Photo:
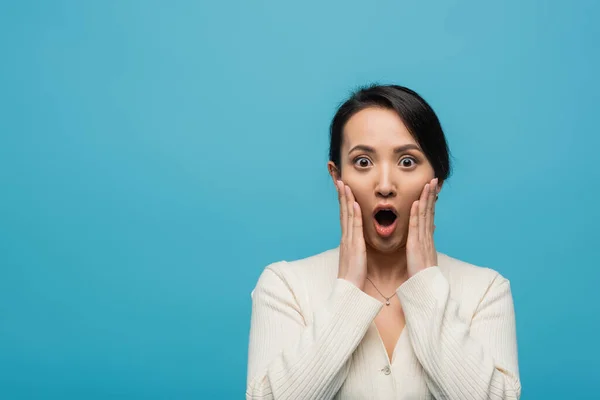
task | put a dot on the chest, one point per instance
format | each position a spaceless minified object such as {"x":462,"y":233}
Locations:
{"x":390,"y":324}
{"x":370,"y":375}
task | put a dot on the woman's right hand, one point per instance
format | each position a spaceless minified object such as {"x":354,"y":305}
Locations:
{"x":353,"y":251}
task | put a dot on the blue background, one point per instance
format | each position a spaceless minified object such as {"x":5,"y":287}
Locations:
{"x":155,"y":156}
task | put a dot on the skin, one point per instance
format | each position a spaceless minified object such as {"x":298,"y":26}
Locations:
{"x":372,"y":172}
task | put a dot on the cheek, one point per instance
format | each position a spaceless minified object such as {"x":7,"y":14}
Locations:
{"x":360,"y":192}
{"x":414,"y":189}
{"x":415,"y":192}
{"x":360,"y":196}
{"x":409,"y":195}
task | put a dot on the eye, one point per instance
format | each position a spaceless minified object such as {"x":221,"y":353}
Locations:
{"x":362,"y":162}
{"x":408,"y":162}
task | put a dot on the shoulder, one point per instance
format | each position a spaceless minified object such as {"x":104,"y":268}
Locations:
{"x":319,"y":269}
{"x":469,"y":282}
{"x":459,"y":270}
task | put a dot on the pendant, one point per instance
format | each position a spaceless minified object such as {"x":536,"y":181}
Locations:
{"x":387,"y":302}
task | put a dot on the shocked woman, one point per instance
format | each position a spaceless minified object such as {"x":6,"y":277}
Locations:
{"x":383,"y":315}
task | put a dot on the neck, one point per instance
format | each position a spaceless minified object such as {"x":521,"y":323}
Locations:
{"x":387,"y":269}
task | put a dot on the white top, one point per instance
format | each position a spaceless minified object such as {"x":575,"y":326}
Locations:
{"x":313,"y":335}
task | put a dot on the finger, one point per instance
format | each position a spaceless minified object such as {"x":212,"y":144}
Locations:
{"x":423,"y":211}
{"x":343,"y":206}
{"x":350,"y":217}
{"x":357,"y":232}
{"x":430,"y":213}
{"x":413,"y":223}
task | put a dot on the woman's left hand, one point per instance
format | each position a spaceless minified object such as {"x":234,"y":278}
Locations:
{"x":420,"y":249}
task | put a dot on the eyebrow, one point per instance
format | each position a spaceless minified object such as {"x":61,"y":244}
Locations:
{"x":399,"y":149}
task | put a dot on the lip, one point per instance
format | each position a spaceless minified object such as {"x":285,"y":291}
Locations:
{"x":385,"y":231}
{"x":385,"y":207}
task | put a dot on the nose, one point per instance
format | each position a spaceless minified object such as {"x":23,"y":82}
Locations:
{"x":385,"y":186}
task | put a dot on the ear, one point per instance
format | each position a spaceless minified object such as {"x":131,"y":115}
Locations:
{"x":334,"y":172}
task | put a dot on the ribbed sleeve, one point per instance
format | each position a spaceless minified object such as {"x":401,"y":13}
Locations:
{"x":289,"y":359}
{"x":463,"y":360}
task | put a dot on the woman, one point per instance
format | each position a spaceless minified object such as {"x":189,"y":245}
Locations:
{"x":383,"y":316}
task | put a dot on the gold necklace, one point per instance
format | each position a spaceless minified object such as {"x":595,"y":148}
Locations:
{"x":387,"y":299}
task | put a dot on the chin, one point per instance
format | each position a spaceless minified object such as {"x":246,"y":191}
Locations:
{"x":386,"y":245}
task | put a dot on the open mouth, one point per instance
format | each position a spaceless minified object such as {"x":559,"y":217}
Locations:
{"x":385,"y":221}
{"x":385,"y":217}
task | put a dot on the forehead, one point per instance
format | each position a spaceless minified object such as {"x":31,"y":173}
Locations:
{"x":376,"y":127}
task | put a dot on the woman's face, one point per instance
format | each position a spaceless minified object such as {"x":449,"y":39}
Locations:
{"x":384,"y":166}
